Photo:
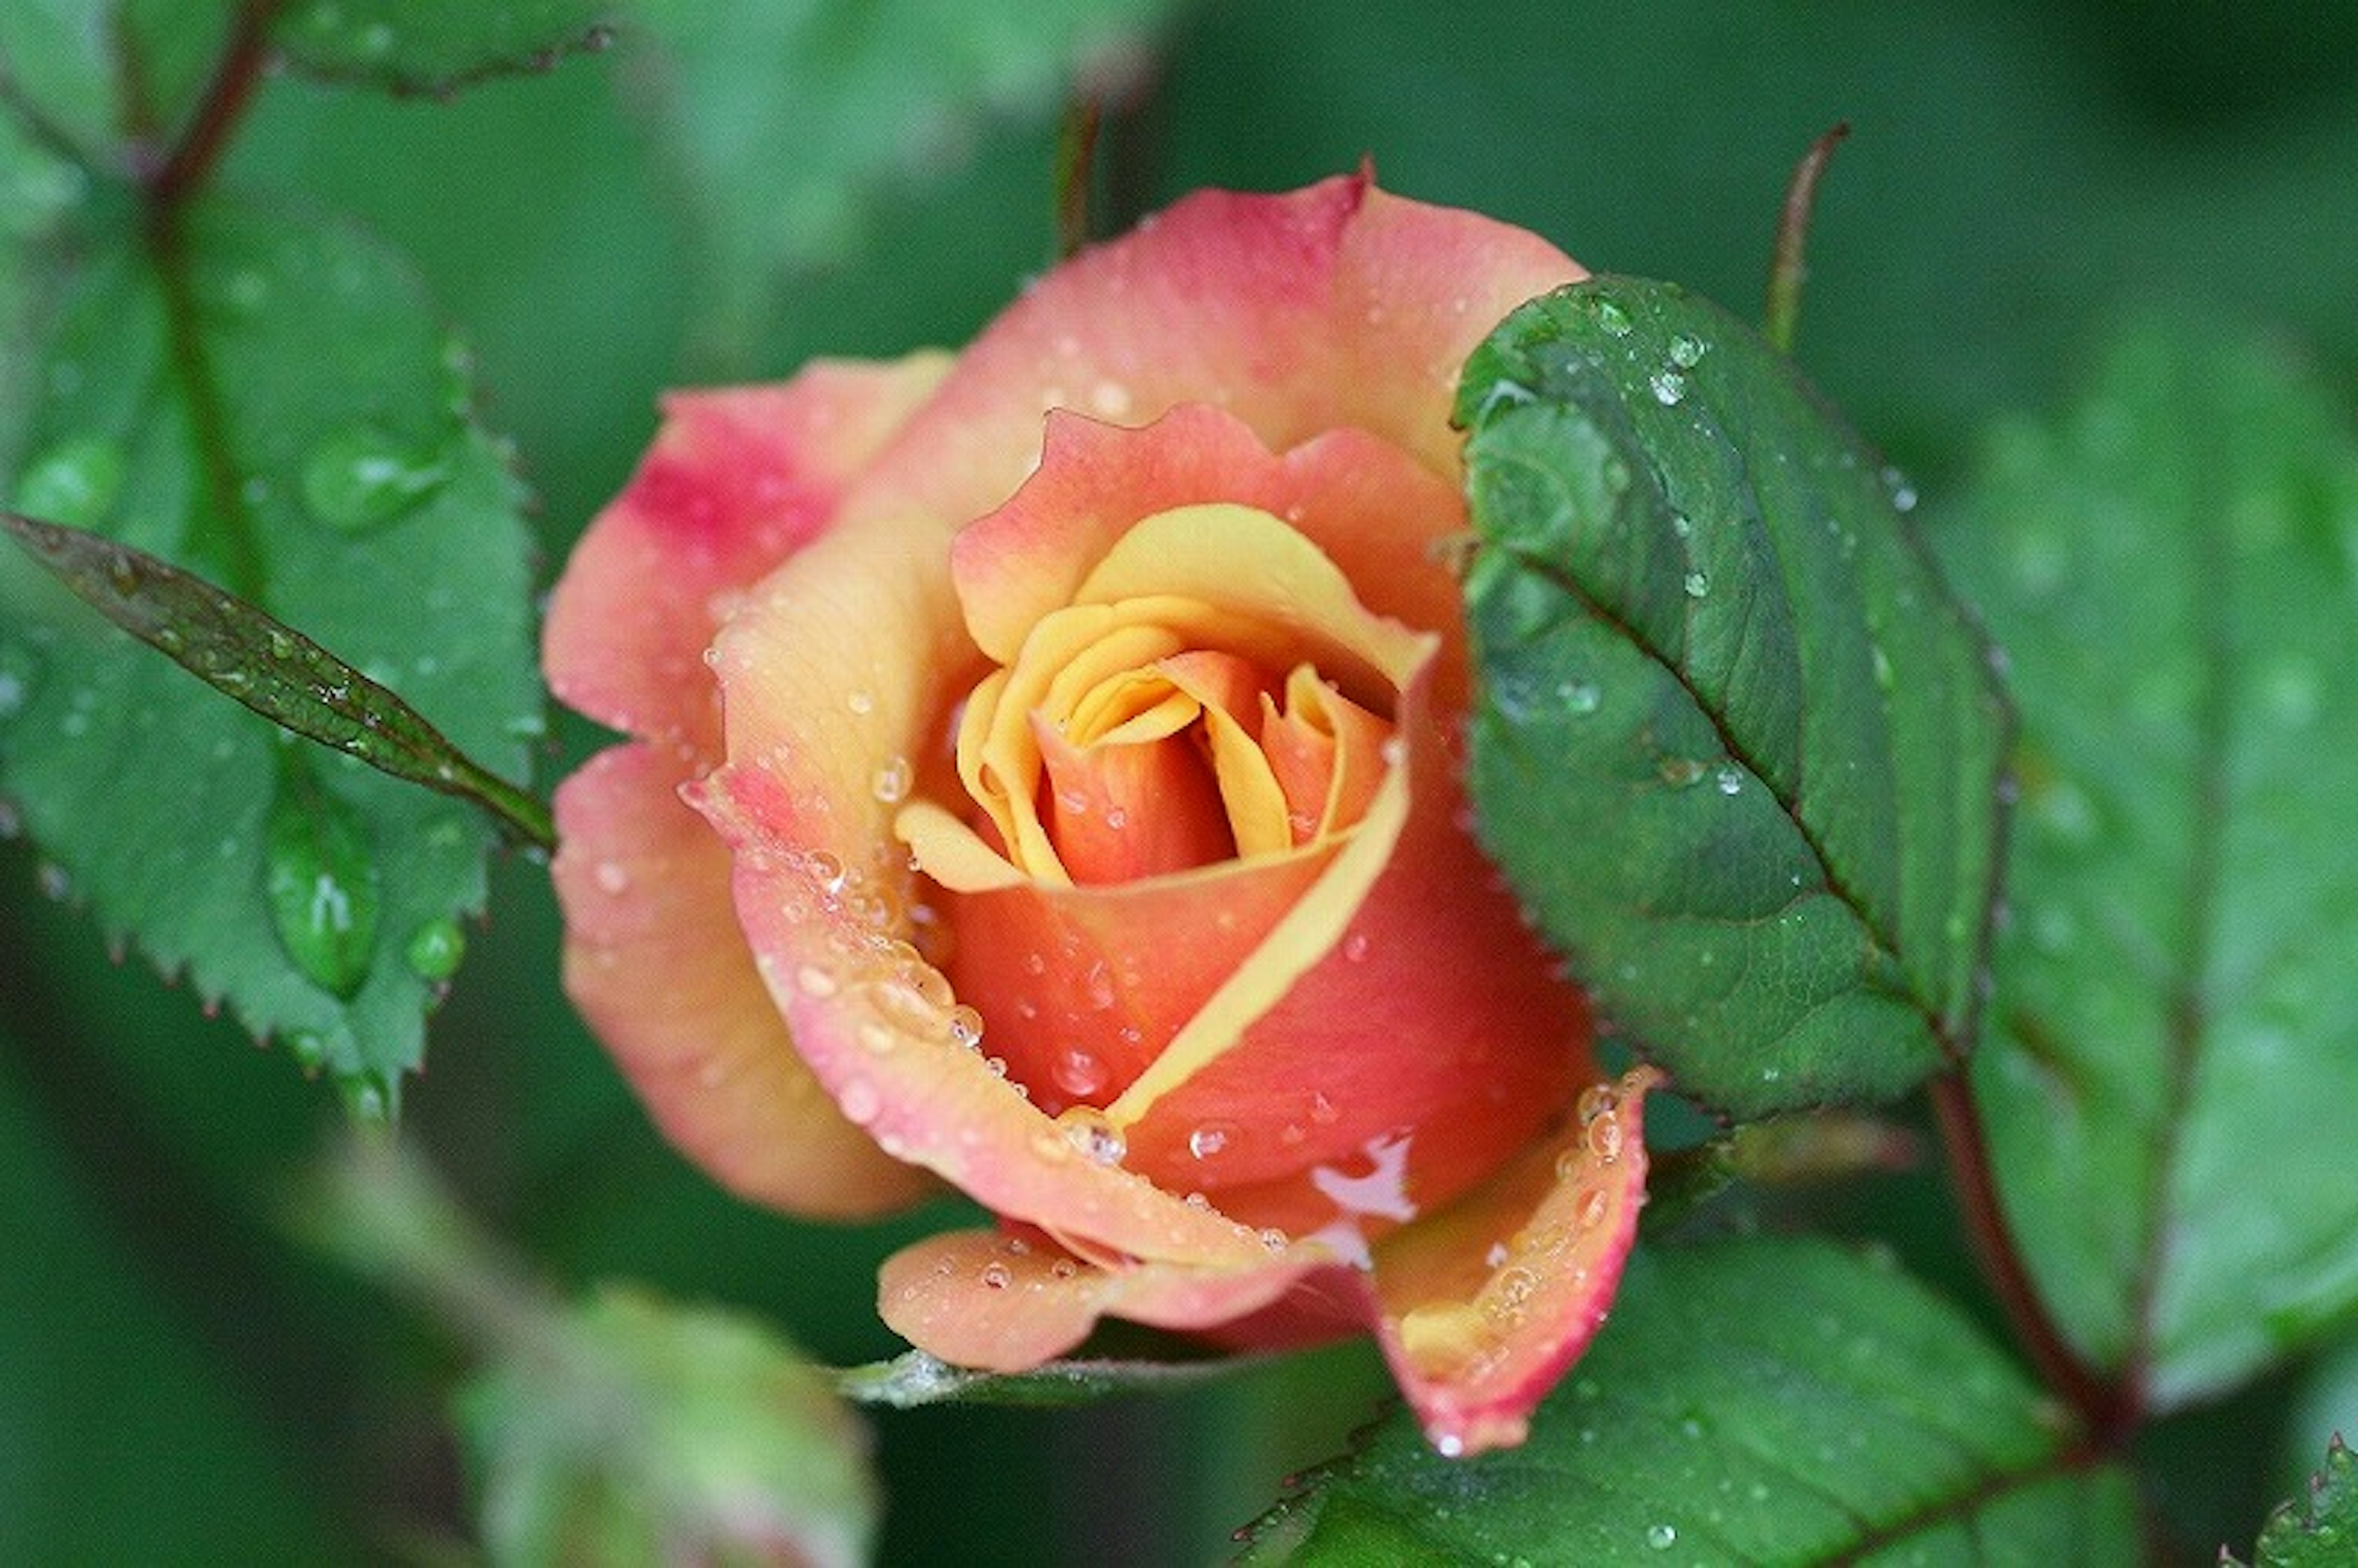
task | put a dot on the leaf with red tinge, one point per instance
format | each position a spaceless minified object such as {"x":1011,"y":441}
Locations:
{"x":2320,"y":1530}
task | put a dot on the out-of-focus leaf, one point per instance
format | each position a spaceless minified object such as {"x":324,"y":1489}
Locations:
{"x":1735,"y":745}
{"x":2320,"y":1530}
{"x":434,"y":46}
{"x":1756,"y":1401}
{"x":785,"y":117}
{"x":121,"y":1440}
{"x":271,"y":404}
{"x":115,"y":79}
{"x":2171,"y":1074}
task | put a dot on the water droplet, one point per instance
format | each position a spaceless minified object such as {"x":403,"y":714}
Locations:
{"x":1902,"y":493}
{"x":1594,"y":1207}
{"x":1323,"y":1111}
{"x":18,"y":676}
{"x":322,"y":882}
{"x":74,"y":483}
{"x":1679,"y":772}
{"x":890,"y":784}
{"x":1687,"y":351}
{"x":1669,"y":387}
{"x":1580,"y":697}
{"x":860,"y":702}
{"x":1613,"y":318}
{"x":1698,"y":584}
{"x":1730,"y":780}
{"x":1355,"y":947}
{"x":996,"y":1276}
{"x":1210,"y":1140}
{"x":1089,"y":1130}
{"x":612,"y":878}
{"x":361,"y":478}
{"x":1605,"y":1138}
{"x":435,"y":949}
{"x":860,"y":1102}
{"x":1661,"y":1537}
{"x":1880,"y":662}
{"x":815,"y":980}
{"x":1079,"y":1071}
{"x":368,"y":1097}
{"x":965,"y":1027}
{"x":309,"y":1051}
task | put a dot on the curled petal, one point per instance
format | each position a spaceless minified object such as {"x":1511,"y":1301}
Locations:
{"x":982,"y":1298}
{"x":656,"y":964}
{"x":1481,"y":1307}
{"x":881,"y":1030}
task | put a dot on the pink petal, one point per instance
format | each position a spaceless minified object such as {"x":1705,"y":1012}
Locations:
{"x":1481,"y":1308}
{"x":1335,"y":305}
{"x":737,"y":478}
{"x":656,"y":964}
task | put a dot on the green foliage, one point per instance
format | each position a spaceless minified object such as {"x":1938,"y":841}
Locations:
{"x":834,"y":101}
{"x":2317,"y":1531}
{"x":1735,"y":745}
{"x":1754,"y":1402}
{"x":435,"y":46}
{"x":186,"y":410}
{"x":2171,"y":566}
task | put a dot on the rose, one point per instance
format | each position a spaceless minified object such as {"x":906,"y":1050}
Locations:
{"x":1070,"y":812}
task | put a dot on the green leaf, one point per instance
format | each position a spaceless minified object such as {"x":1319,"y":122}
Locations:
{"x":114,"y":80}
{"x":436,"y":46}
{"x":193,"y":394}
{"x":2318,"y":1531}
{"x":1735,"y":745}
{"x":1758,"y":1402}
{"x":785,"y":121}
{"x":245,"y":654}
{"x":2171,"y":1075}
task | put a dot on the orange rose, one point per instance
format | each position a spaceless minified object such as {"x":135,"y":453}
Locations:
{"x":1047,"y":782}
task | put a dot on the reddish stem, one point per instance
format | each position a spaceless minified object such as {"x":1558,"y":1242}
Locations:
{"x":2107,"y":1410}
{"x":202,"y":145}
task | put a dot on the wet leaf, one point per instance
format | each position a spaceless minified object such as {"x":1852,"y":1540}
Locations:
{"x":1736,"y":746}
{"x":190,"y":390}
{"x":1843,"y":1414}
{"x":2320,"y":1530}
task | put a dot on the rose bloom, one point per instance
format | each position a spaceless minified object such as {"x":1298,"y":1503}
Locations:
{"x":1044,"y":783}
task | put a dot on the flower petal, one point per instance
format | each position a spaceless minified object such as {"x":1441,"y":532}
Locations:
{"x":1481,"y":1307}
{"x":1482,"y":1045}
{"x":736,"y":480}
{"x":986,"y":1299}
{"x":655,"y":961}
{"x":881,"y":1030}
{"x":1338,"y":305}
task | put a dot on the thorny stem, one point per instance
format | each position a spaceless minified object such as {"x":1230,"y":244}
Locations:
{"x":1789,"y":264}
{"x":2107,"y":1410}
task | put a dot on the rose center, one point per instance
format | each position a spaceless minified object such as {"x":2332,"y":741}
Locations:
{"x":1155,"y":732}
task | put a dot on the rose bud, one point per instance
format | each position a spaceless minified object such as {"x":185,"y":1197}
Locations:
{"x":1046,"y":782}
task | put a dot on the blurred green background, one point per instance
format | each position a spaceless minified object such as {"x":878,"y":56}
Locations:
{"x":179,"y":1382}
